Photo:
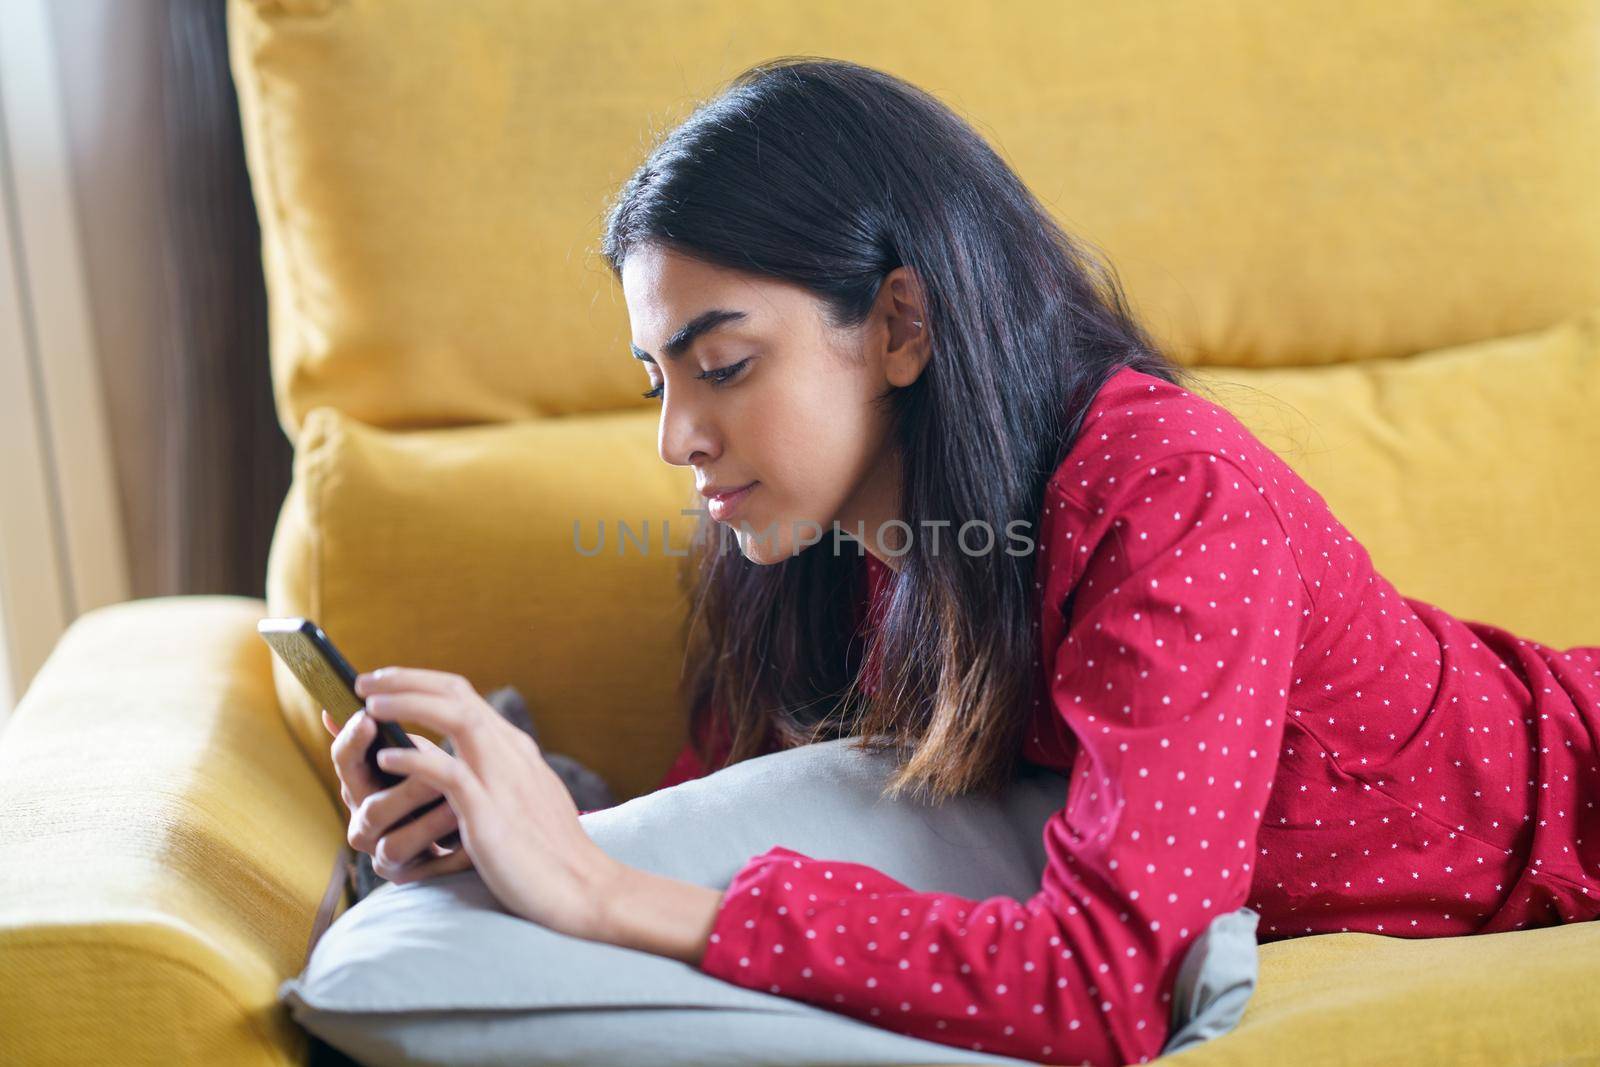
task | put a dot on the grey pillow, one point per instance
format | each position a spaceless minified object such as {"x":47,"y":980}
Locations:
{"x":436,"y":972}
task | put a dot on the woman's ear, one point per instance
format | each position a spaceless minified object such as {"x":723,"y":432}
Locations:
{"x":904,"y":365}
{"x":909,"y":346}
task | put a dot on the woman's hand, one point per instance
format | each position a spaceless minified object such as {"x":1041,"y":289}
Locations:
{"x":518,"y":821}
{"x":400,"y":854}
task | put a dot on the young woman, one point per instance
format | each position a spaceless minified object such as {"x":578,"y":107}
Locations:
{"x":980,"y":519}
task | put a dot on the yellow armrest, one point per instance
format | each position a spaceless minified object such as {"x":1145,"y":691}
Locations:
{"x":163,"y":844}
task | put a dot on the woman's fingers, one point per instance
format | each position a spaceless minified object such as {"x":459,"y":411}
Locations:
{"x":350,"y":746}
{"x":431,"y":867}
{"x":404,"y":844}
{"x":390,"y":679}
{"x":450,"y":776}
{"x":357,"y":781}
{"x":376,"y":814}
{"x":447,"y":715}
{"x":464,"y":717}
{"x":423,"y":741}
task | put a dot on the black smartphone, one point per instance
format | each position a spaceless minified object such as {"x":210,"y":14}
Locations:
{"x":328,"y":676}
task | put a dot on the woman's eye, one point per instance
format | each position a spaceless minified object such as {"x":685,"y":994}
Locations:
{"x":716,"y":377}
{"x":723,"y":374}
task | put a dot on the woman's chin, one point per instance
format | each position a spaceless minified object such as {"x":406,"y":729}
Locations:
{"x":764,"y":553}
{"x":764,"y":545}
{"x":775,"y":542}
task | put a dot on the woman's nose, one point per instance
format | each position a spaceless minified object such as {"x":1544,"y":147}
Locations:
{"x":683,"y":437}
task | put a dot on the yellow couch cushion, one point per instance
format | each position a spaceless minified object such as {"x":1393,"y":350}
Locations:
{"x":456,"y":549}
{"x":165,"y":845}
{"x":1495,"y":1000}
{"x":1469,"y":473}
{"x":1276,"y":187}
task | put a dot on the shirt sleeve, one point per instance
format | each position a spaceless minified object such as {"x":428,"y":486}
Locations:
{"x":1173,"y":676}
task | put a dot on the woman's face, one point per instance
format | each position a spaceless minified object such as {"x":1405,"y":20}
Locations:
{"x":755,"y":389}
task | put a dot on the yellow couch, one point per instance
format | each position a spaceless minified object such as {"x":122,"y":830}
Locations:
{"x":1377,"y":230}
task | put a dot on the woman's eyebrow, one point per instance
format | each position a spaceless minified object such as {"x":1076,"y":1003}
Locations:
{"x":702,"y":323}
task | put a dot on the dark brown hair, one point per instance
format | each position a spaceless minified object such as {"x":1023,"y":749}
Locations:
{"x":829,"y":175}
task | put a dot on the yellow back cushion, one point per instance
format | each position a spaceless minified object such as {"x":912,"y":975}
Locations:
{"x":1471,"y":474}
{"x":455,"y":549}
{"x":1276,"y":187}
{"x":1468,"y":473}
{"x":1301,"y":203}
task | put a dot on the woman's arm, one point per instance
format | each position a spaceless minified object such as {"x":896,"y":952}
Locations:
{"x":654,"y":913}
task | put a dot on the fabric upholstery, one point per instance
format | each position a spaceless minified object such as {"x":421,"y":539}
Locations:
{"x":165,"y":845}
{"x":1493,"y":1000}
{"x":455,"y":549}
{"x":1275,"y":187}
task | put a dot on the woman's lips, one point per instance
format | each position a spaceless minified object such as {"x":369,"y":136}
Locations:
{"x":723,"y":505}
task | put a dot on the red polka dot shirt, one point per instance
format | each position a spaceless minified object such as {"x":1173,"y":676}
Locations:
{"x":1248,"y":713}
